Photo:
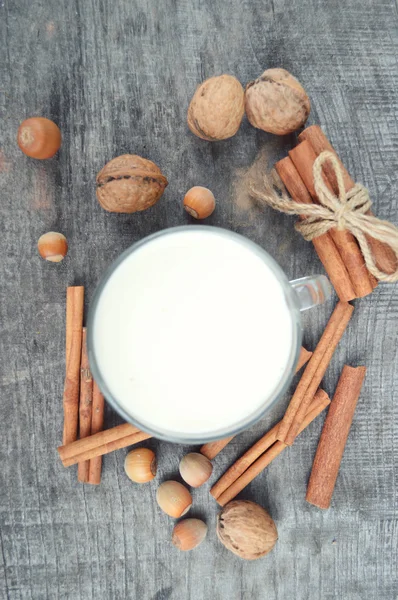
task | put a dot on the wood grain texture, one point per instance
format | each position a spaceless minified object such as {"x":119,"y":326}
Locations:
{"x":117,"y":77}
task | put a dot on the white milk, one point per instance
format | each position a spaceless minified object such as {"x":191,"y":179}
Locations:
{"x":192,"y":333}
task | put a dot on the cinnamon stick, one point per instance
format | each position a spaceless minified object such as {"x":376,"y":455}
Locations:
{"x":304,"y":357}
{"x":98,"y":439}
{"x":251,"y":473}
{"x":123,"y":442}
{"x":303,"y":157}
{"x":384,"y":257}
{"x":320,"y":403}
{"x":244,"y":462}
{"x":74,"y":328}
{"x":101,"y":443}
{"x":85,"y":406}
{"x":97,"y":424}
{"x":74,"y":315}
{"x":314,"y":373}
{"x":251,"y":455}
{"x":71,"y":392}
{"x":211,"y":449}
{"x":323,"y":244}
{"x":334,"y":437}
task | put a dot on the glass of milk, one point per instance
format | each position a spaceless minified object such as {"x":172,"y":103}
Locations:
{"x":194,"y":333}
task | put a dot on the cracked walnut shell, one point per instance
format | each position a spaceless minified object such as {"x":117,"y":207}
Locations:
{"x":276,"y":102}
{"x":217,"y":108}
{"x":129,"y":183}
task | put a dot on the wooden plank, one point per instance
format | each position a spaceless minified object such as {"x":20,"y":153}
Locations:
{"x":117,"y":77}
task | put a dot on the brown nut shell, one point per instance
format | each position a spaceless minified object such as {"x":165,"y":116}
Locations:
{"x":52,"y":246}
{"x":39,"y":137}
{"x":276,"y":102}
{"x":217,"y":108}
{"x":246,"y":529}
{"x":199,"y":202}
{"x":140,"y":465}
{"x":195,"y":469}
{"x":129,"y":183}
{"x":188,"y":534}
{"x":173,"y":498}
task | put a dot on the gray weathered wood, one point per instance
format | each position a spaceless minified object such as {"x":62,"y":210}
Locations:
{"x":117,"y":77}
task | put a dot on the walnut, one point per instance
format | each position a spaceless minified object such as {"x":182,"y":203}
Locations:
{"x":217,"y":108}
{"x":246,"y":529}
{"x":276,"y":102}
{"x":129,"y":183}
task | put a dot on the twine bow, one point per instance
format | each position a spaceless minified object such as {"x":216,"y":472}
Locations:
{"x":344,"y":211}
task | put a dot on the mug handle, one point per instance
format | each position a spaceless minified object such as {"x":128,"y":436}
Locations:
{"x":312,"y":290}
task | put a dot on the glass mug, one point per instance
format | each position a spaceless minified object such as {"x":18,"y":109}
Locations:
{"x":194,"y":333}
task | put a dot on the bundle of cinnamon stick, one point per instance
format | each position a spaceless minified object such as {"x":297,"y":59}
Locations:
{"x":82,"y":400}
{"x":338,"y":250}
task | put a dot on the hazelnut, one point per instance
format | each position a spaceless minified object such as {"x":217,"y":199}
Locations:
{"x":129,"y":183}
{"x":39,"y":137}
{"x":52,"y":246}
{"x":195,"y":469}
{"x":173,"y":498}
{"x":199,"y":202}
{"x":140,"y":465}
{"x":246,"y":529}
{"x":276,"y":102}
{"x":188,"y":534}
{"x":217,"y":108}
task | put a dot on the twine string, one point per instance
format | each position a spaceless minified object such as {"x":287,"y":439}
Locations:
{"x":346,"y":210}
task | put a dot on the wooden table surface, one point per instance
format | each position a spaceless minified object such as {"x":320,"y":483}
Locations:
{"x":117,"y":77}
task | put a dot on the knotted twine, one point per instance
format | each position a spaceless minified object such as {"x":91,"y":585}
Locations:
{"x":344,"y":211}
